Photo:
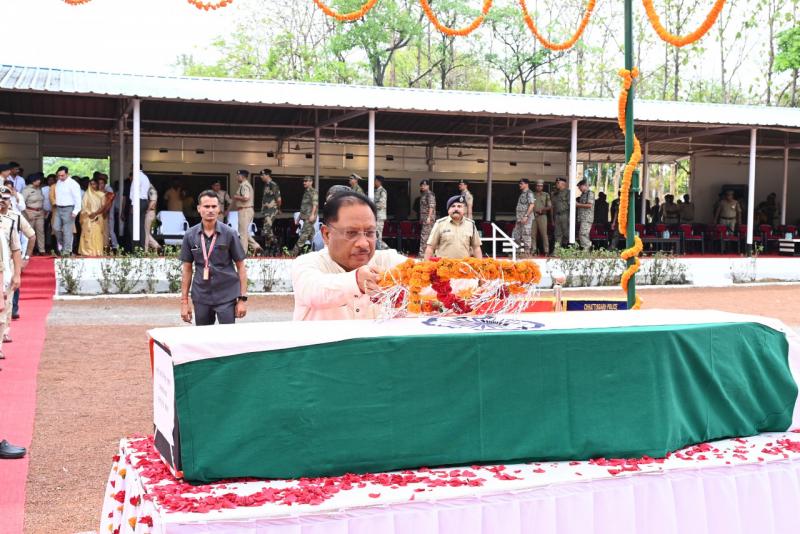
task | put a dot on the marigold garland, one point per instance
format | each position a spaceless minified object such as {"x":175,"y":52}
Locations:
{"x":625,"y":188}
{"x":199,"y":4}
{"x":414,"y":276}
{"x":76,"y":2}
{"x":569,"y":43}
{"x":682,"y":40}
{"x":346,"y":17}
{"x":461,"y":32}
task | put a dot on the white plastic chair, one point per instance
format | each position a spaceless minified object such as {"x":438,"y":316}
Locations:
{"x":173,"y":226}
{"x":233,"y":222}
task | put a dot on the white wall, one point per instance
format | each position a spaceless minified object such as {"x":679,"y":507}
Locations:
{"x":711,"y":173}
{"x":227,"y":155}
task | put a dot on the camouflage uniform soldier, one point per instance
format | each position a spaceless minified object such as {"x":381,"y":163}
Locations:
{"x":541,"y":207}
{"x":522,"y":230}
{"x":308,"y":214}
{"x":354,"y":178}
{"x":381,"y":199}
{"x":270,"y":207}
{"x":585,"y":207}
{"x":427,"y":214}
{"x":560,"y":202}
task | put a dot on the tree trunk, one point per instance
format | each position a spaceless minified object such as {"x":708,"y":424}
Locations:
{"x":794,"y":88}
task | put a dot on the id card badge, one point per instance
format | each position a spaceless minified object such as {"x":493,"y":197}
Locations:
{"x":206,"y":255}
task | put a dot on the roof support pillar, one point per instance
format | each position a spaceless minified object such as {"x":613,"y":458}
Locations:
{"x":489,"y":173}
{"x":316,"y":159}
{"x":573,"y":179}
{"x":121,"y":169}
{"x":751,"y":190}
{"x":137,"y":162}
{"x":784,"y":207}
{"x":371,"y":158}
{"x":645,"y":184}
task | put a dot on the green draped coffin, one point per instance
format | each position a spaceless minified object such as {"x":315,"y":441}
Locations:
{"x":288,"y":400}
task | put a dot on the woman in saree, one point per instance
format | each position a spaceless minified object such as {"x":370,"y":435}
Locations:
{"x":93,"y":222}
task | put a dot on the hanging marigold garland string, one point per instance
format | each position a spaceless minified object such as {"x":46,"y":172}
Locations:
{"x":682,"y":40}
{"x":76,"y":2}
{"x":625,"y":188}
{"x":346,"y":17}
{"x":550,"y":44}
{"x":461,"y":32}
{"x":199,"y":4}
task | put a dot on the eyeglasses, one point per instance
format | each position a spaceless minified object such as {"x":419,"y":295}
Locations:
{"x":352,"y":235}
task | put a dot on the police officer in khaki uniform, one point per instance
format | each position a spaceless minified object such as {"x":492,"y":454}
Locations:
{"x":454,"y":236}
{"x":244,"y":204}
{"x":308,"y":213}
{"x":224,"y":199}
{"x":560,"y":202}
{"x":541,"y":208}
{"x":585,"y":207}
{"x":522,"y":229}
{"x":354,"y":178}
{"x":427,"y":214}
{"x":670,"y":212}
{"x":34,"y":208}
{"x":729,"y":211}
{"x":463,"y":188}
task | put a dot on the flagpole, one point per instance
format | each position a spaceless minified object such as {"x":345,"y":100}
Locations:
{"x":631,"y":223}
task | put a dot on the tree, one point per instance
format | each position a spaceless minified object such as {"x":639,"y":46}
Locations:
{"x":788,"y":58}
{"x":389,"y":27}
{"x":519,"y":58}
{"x":734,"y":46}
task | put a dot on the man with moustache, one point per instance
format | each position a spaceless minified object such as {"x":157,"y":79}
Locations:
{"x":338,"y":281}
{"x":454,"y":236}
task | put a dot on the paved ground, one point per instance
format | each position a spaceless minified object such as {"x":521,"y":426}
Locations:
{"x":94,"y":386}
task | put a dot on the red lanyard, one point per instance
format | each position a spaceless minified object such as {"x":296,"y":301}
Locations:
{"x":207,"y":253}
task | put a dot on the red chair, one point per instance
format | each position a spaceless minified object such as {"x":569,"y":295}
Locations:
{"x":391,"y":231}
{"x":486,"y":229}
{"x":407,"y":236}
{"x":598,"y":235}
{"x":769,"y":237}
{"x":757,"y":237}
{"x":723,"y":236}
{"x":689,"y":236}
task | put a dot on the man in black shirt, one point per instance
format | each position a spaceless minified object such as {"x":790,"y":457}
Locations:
{"x":218,"y":290}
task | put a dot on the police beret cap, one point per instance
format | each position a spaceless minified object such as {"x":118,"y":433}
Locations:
{"x":454,"y":199}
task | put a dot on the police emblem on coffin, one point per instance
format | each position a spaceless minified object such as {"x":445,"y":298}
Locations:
{"x":483,"y":323}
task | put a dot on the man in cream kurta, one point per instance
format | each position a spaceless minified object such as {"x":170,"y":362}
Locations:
{"x":338,"y":281}
{"x":323,"y":290}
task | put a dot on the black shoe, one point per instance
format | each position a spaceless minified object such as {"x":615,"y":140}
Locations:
{"x":11,"y":452}
{"x":14,"y":316}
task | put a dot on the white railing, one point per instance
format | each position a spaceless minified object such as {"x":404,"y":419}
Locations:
{"x":505,"y":239}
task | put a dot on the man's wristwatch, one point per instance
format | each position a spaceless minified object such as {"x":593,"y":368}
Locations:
{"x":26,"y":258}
{"x":242,"y":298}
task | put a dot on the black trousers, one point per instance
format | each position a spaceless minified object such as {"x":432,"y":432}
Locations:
{"x":205,"y":314}
{"x":129,"y":244}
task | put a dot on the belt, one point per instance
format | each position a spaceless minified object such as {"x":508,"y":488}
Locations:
{"x":728,"y":218}
{"x":33,"y":209}
{"x":70,"y":206}
{"x":245,"y":207}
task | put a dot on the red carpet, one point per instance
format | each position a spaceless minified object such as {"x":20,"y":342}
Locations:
{"x":18,"y":385}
